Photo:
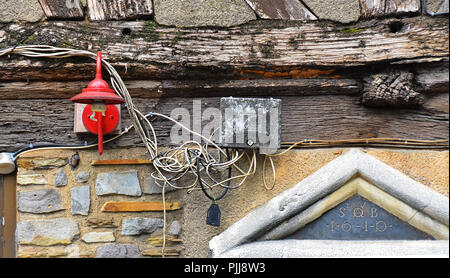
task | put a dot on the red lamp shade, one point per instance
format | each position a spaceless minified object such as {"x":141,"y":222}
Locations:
{"x":99,"y":95}
{"x":98,"y":90}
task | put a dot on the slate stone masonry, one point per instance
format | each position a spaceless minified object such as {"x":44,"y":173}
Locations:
{"x":60,"y":206}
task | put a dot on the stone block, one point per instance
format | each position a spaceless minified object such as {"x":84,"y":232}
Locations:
{"x":20,"y":10}
{"x":126,"y":183}
{"x":170,"y":240}
{"x":41,"y":163}
{"x":157,"y":252}
{"x":82,"y":177}
{"x":95,"y":237}
{"x":29,"y":251}
{"x":101,"y":223}
{"x":61,"y":178}
{"x":137,"y":226}
{"x":81,"y":200}
{"x":40,"y":252}
{"x":175,"y":228}
{"x":47,"y":232}
{"x":195,"y":13}
{"x":150,"y":186}
{"x":31,"y":179}
{"x":39,"y":201}
{"x":118,"y":251}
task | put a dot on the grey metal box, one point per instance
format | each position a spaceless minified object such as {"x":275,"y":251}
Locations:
{"x":251,"y":123}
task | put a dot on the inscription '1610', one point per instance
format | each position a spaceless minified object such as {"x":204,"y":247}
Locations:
{"x":359,"y":212}
{"x":358,"y":218}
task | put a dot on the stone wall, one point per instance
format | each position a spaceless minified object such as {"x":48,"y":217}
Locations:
{"x":224,"y":13}
{"x":68,"y":211}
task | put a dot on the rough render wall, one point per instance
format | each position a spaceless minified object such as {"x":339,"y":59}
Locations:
{"x":427,"y":167}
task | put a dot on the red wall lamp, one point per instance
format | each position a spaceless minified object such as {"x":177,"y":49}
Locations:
{"x":100,"y":116}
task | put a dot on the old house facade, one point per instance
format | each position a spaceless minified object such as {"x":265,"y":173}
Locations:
{"x":360,"y":89}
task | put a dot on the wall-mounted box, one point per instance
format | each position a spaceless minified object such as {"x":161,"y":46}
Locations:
{"x":251,"y":123}
{"x":78,"y":126}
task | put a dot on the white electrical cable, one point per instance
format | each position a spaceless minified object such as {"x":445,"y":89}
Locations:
{"x":175,"y":163}
{"x":171,"y":165}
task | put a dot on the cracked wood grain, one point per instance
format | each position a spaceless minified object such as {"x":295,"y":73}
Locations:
{"x":172,"y":53}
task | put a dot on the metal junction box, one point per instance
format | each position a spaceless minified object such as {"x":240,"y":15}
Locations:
{"x":251,"y":123}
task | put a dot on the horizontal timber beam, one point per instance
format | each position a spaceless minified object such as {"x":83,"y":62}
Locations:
{"x":141,"y":48}
{"x":303,"y":117}
{"x":189,"y":88}
{"x":428,"y":79}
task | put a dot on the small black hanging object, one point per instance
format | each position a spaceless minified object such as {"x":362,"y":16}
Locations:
{"x":213,"y":215}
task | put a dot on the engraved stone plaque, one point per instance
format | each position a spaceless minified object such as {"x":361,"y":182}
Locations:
{"x":359,"y":219}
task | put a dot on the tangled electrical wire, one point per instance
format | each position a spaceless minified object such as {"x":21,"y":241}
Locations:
{"x":204,"y":162}
{"x":193,"y":158}
{"x":170,"y":165}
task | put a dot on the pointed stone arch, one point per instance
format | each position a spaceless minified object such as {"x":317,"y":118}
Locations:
{"x":353,"y":172}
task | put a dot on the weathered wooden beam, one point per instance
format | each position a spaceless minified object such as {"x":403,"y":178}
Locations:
{"x":391,"y":89}
{"x":119,"y":9}
{"x":402,"y":6}
{"x":372,"y":8}
{"x":428,"y":79}
{"x":261,"y":87}
{"x":187,"y":88}
{"x":303,"y":117}
{"x":281,"y":9}
{"x":66,"y":90}
{"x":62,"y":9}
{"x":432,"y":78}
{"x":379,"y":8}
{"x":164,"y":52}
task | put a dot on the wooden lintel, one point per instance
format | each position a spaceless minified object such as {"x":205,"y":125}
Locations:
{"x":139,"y":206}
{"x":427,"y":80}
{"x":167,"y":52}
{"x":188,"y":88}
{"x":326,"y":117}
{"x":121,"y":162}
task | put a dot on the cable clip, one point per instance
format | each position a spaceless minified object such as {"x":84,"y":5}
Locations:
{"x":196,"y":153}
